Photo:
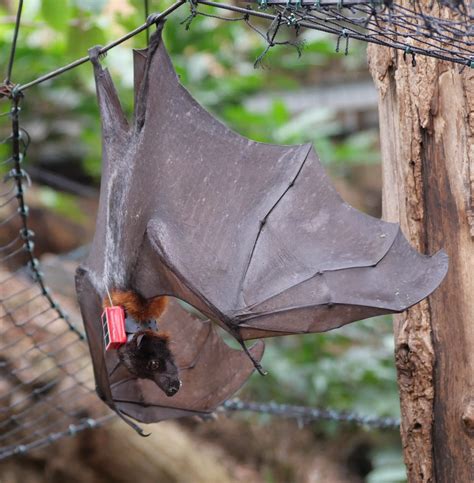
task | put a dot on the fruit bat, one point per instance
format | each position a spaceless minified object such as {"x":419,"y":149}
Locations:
{"x":252,"y":235}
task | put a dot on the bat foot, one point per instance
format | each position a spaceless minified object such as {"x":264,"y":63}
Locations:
{"x":152,"y":19}
{"x":155,"y":18}
{"x":96,"y":54}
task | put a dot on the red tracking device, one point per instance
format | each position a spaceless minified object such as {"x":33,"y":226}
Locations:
{"x":113,"y":326}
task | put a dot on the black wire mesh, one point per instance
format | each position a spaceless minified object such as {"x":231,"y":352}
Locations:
{"x":46,"y":380}
{"x":441,"y":29}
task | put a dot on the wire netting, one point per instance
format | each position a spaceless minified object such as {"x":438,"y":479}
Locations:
{"x":441,"y":29}
{"x":46,"y":379}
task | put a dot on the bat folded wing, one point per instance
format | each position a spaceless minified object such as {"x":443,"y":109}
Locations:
{"x":210,"y":371}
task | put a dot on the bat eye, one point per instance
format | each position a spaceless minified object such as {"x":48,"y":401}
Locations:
{"x":154,"y":365}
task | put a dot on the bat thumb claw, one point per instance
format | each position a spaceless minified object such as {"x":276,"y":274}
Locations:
{"x":260,"y":369}
{"x":255,"y":363}
{"x":134,"y":426}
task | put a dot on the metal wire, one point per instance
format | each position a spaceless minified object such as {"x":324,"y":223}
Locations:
{"x":72,"y":430}
{"x":154,"y":18}
{"x":146,"y":9}
{"x":15,"y":38}
{"x":305,"y":415}
{"x":23,"y":210}
{"x":45,"y":369}
{"x":392,"y":25}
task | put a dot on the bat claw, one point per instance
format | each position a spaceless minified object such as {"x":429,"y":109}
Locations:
{"x":255,"y":363}
{"x":134,"y":426}
{"x":96,"y":54}
{"x":155,"y":18}
{"x":260,"y":369}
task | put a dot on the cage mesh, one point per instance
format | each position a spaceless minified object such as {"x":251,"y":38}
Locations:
{"x":46,"y":379}
{"x":441,"y":29}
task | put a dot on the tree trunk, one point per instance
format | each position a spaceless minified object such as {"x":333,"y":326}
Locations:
{"x":427,"y":131}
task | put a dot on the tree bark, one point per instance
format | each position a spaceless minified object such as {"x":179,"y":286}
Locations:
{"x":427,"y":131}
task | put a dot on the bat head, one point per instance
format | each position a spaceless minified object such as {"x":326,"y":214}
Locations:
{"x":147,"y":356}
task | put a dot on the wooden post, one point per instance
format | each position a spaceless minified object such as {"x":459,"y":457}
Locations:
{"x":427,"y":134}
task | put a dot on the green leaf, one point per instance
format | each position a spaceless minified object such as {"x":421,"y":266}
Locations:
{"x":56,"y":14}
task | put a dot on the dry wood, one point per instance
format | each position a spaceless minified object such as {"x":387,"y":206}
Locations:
{"x":116,"y":454}
{"x":427,"y":131}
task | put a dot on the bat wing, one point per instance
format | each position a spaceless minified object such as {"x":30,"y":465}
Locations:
{"x":210,"y":370}
{"x":268,"y":246}
{"x":253,"y":235}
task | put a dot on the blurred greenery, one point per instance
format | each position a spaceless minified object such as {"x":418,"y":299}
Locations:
{"x":349,"y":369}
{"x":61,"y":203}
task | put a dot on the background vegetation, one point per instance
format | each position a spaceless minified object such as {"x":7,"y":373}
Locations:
{"x":347,"y":369}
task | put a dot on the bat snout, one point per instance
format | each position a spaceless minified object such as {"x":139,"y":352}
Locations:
{"x":169,"y":385}
{"x":173,"y":388}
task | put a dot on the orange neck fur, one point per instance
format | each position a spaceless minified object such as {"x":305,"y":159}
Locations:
{"x":137,"y":306}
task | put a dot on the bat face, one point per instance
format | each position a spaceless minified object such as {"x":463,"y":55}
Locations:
{"x":147,"y":356}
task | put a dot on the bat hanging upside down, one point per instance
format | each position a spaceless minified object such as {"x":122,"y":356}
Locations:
{"x":291,"y":257}
{"x":146,"y":354}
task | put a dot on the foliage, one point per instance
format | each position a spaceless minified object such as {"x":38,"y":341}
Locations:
{"x":61,"y":203}
{"x":348,"y":368}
